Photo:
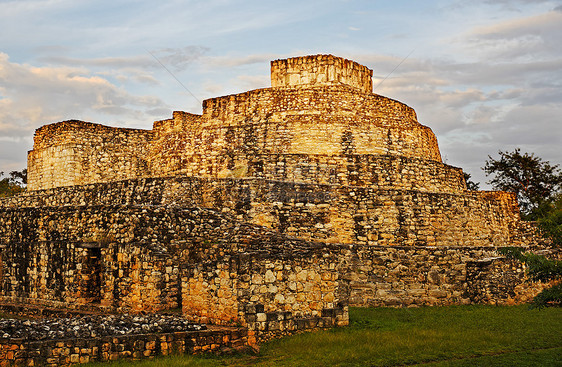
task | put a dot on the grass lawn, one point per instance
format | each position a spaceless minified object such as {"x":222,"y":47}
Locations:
{"x":429,"y":336}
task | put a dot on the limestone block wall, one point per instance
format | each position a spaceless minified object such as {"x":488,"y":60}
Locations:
{"x":145,"y":191}
{"x":386,"y":217}
{"x":239,"y":150}
{"x":320,"y":69}
{"x":263,"y":326}
{"x":76,"y":152}
{"x":124,"y":258}
{"x":178,"y":190}
{"x":297,"y":281}
{"x":377,"y":171}
{"x":130,"y":259}
{"x":180,"y":121}
{"x":380,"y":171}
{"x":362,"y":215}
{"x":318,"y":120}
{"x":51,"y":166}
{"x":325,"y":102}
{"x":405,"y":276}
{"x":277,"y":293}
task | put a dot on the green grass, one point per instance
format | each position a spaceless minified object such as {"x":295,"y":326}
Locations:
{"x":430,"y":336}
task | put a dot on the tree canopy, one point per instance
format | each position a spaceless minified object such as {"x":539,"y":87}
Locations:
{"x":549,"y":222}
{"x":470,"y":185}
{"x":538,"y":186}
{"x":14,"y":183}
{"x":533,"y":180}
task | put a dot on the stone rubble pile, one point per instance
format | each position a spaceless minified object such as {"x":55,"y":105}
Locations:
{"x":94,"y":326}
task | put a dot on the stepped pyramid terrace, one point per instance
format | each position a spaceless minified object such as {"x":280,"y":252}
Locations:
{"x":274,"y":209}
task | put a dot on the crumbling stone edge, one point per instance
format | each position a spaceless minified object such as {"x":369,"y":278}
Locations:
{"x":16,"y":352}
{"x":262,"y":326}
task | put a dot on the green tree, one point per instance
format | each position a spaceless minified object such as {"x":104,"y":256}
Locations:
{"x":537,"y":184}
{"x":533,"y":180}
{"x":549,"y":220}
{"x":549,"y":223}
{"x":13,"y":184}
{"x":19,"y":177}
{"x":470,"y":185}
{"x":543,"y":269}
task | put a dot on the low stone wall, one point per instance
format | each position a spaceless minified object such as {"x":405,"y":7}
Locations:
{"x":288,"y":277}
{"x":263,"y":326}
{"x":437,"y":276}
{"x":14,"y":352}
{"x":497,"y":280}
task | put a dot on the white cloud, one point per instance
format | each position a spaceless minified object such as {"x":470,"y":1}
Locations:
{"x":32,"y":96}
{"x":524,"y":37}
{"x":173,"y":58}
{"x":250,"y":82}
{"x":142,"y":61}
{"x":229,"y":61}
{"x":505,"y":95}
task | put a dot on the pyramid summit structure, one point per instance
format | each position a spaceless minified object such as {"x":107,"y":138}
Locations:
{"x":362,"y":166}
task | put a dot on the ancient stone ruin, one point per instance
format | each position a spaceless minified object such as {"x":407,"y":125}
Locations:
{"x":275,"y":209}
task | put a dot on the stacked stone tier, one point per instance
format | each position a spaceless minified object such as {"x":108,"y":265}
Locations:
{"x":274,"y":124}
{"x":379,"y":171}
{"x":76,"y":152}
{"x":326,"y":213}
{"x":155,"y":257}
{"x":75,"y":131}
{"x":329,"y":101}
{"x":321,"y":69}
{"x":283,"y":123}
{"x":316,"y":120}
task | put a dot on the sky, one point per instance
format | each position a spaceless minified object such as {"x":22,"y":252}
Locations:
{"x":484,"y":75}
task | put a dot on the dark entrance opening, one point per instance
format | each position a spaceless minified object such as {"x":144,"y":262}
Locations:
{"x":90,"y":276}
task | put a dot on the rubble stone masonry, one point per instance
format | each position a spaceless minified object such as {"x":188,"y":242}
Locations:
{"x":320,"y":69}
{"x":275,"y":209}
{"x":68,"y":352}
{"x":144,"y":258}
{"x":330,"y":213}
{"x":76,"y":152}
